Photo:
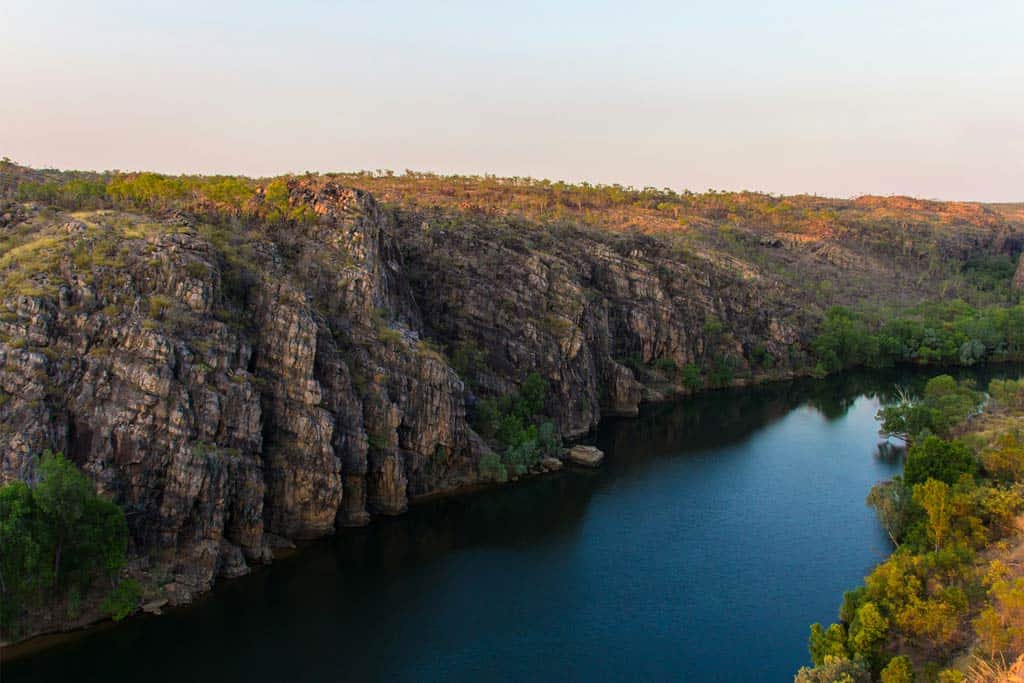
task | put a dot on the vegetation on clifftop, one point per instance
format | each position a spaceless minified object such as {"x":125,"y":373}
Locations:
{"x":876,"y":250}
{"x":950,"y":599}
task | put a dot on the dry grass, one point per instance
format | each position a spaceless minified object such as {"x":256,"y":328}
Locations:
{"x":983,"y":671}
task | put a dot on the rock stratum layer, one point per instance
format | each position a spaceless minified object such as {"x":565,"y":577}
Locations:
{"x":238,"y":383}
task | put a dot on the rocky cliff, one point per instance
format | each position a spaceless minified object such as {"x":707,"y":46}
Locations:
{"x":225,"y":388}
{"x":235,"y":380}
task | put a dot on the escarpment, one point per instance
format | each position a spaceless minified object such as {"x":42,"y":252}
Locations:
{"x":609,"y":321}
{"x":237,"y":378}
{"x":227,"y":385}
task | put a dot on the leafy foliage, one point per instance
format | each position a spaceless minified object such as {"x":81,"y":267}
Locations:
{"x":935,"y":458}
{"x":898,"y":670}
{"x":55,"y":537}
{"x":835,"y":670}
{"x":945,"y":404}
{"x":123,"y":600}
{"x":513,"y":422}
{"x":951,"y":333}
{"x":921,"y":599}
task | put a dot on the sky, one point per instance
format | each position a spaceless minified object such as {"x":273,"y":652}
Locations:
{"x":826,"y":97}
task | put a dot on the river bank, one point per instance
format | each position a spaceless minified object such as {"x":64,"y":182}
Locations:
{"x":948,"y":603}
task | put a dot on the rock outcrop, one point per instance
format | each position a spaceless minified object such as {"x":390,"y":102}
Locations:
{"x":588,"y":456}
{"x":1018,"y":275}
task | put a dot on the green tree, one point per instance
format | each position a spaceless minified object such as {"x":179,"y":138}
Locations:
{"x":935,"y":458}
{"x":945,"y":404}
{"x":24,"y":564}
{"x":513,"y":421}
{"x":691,"y":377}
{"x":843,"y":340}
{"x":868,"y":632}
{"x":123,"y":600}
{"x":55,"y":537}
{"x":830,"y":642}
{"x":952,"y":401}
{"x":898,"y":670}
{"x":61,"y":497}
{"x":532,"y":395}
{"x":991,"y":632}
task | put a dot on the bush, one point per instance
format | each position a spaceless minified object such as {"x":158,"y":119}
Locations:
{"x":835,"y":670}
{"x":691,"y":377}
{"x":898,"y":670}
{"x":492,"y":469}
{"x":723,"y":371}
{"x":935,"y":458}
{"x":512,"y":421}
{"x":666,"y":366}
{"x":123,"y":600}
{"x":1004,"y":459}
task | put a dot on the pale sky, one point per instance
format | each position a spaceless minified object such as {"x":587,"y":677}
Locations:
{"x":819,"y":96}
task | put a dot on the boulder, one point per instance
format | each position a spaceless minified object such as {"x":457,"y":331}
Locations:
{"x":551,"y":464}
{"x":588,"y":456}
{"x":154,"y":607}
{"x":178,"y":594}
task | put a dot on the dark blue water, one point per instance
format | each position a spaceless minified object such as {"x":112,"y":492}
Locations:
{"x":719,"y":528}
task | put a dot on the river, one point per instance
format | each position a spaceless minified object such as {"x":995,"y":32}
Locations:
{"x":719,"y":528}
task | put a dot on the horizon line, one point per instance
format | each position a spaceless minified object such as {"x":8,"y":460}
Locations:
{"x":387,"y":172}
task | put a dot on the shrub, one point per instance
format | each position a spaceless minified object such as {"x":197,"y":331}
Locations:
{"x":666,"y":366}
{"x":898,"y":670}
{"x":492,"y":469}
{"x":123,"y":600}
{"x":158,"y":306}
{"x":723,"y":371}
{"x":835,"y":670}
{"x":691,"y":377}
{"x":935,"y":458}
{"x":512,"y":421}
{"x":1004,"y":459}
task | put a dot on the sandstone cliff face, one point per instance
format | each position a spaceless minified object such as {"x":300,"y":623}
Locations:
{"x":224,"y":406}
{"x":231,"y":385}
{"x":600,"y":317}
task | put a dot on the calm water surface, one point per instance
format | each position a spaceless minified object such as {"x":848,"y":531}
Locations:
{"x":719,"y":528}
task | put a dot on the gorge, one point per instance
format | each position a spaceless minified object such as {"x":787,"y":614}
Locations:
{"x":245,"y":364}
{"x":713,"y":528}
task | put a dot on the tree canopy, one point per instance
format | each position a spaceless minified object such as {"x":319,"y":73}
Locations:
{"x":55,"y":536}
